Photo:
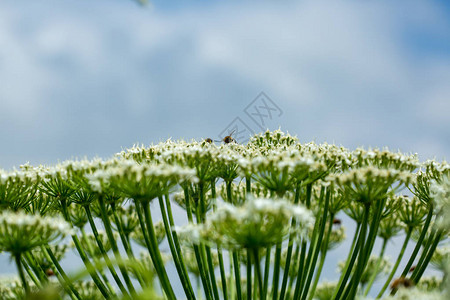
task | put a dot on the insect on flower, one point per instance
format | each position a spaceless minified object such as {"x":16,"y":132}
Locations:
{"x":402,"y":282}
{"x":208,"y":140}
{"x":229,"y":139}
{"x":337,"y":222}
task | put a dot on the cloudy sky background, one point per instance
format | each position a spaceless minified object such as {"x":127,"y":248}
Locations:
{"x":87,"y":78}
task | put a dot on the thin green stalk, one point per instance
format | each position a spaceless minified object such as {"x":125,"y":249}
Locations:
{"x":222,"y":275}
{"x":419,"y":241}
{"x":112,"y":241}
{"x":359,"y":244}
{"x":289,"y":250}
{"x":323,"y":254}
{"x":103,"y":251}
{"x":399,"y":258}
{"x":416,"y":277}
{"x":211,"y":272}
{"x":157,"y":260}
{"x":237,"y":275}
{"x":175,"y":255}
{"x":63,"y":279}
{"x":276,"y":271}
{"x":291,"y":279}
{"x":266,"y":270}
{"x":178,"y":247}
{"x":29,"y":259}
{"x":249,"y":274}
{"x":317,"y":245}
{"x":258,"y":274}
{"x":26,"y":287}
{"x":377,"y":267}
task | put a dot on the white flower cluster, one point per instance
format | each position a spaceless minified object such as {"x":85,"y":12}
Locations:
{"x":20,"y":232}
{"x":257,"y":223}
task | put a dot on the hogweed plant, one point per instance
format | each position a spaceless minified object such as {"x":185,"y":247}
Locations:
{"x":252,"y":221}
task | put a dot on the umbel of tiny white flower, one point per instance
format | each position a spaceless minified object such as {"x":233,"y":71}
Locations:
{"x":140,"y":181}
{"x":20,"y":232}
{"x":258,"y":223}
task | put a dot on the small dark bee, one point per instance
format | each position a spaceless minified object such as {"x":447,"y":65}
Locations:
{"x":229,"y":139}
{"x":208,"y":140}
{"x":337,"y":222}
{"x":402,"y":282}
{"x":412,"y":269}
{"x":49,"y":272}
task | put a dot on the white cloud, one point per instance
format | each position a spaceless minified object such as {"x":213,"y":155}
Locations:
{"x":345,"y":69}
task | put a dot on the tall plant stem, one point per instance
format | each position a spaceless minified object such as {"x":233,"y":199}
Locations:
{"x":26,"y":287}
{"x":399,"y":258}
{"x":419,"y":241}
{"x":377,"y":267}
{"x":349,"y":267}
{"x":112,"y":241}
{"x":185,"y":282}
{"x":103,"y":252}
{"x":323,"y":254}
{"x":237,"y":274}
{"x":421,"y":269}
{"x":276,"y":271}
{"x":249,"y":274}
{"x":258,"y":273}
{"x":266,"y":271}
{"x":153,"y":250}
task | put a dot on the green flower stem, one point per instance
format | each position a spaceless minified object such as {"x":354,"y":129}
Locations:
{"x":185,"y":282}
{"x":112,"y":241}
{"x":291,"y":279}
{"x":416,"y":277}
{"x":367,"y":248}
{"x":317,"y":245}
{"x":211,"y":272}
{"x":62,"y":277}
{"x":359,"y":244}
{"x":92,"y":272}
{"x":249,"y":274}
{"x":200,"y":256}
{"x":33,"y":277}
{"x":188,"y":204}
{"x":154,"y":253}
{"x":290,"y":245}
{"x":419,"y":242}
{"x":399,"y":258}
{"x":26,"y":287}
{"x":29,"y":258}
{"x":177,"y":245}
{"x":237,"y":274}
{"x":219,"y":251}
{"x":102,"y":250}
{"x":377,"y":267}
{"x":98,"y":282}
{"x":126,"y":243}
{"x":248,"y":184}
{"x":323,"y":254}
{"x":222,"y":275}
{"x":258,"y":274}
{"x":276,"y":271}
{"x":266,"y":271}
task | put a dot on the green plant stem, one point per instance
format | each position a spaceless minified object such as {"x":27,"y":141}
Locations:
{"x":211,"y":272}
{"x":258,"y":274}
{"x":290,"y":245}
{"x":26,"y":287}
{"x":175,"y":254}
{"x":237,"y":274}
{"x":249,"y":274}
{"x":359,"y":244}
{"x":276,"y":272}
{"x":112,"y":241}
{"x":63,"y":279}
{"x":154,"y":253}
{"x":399,"y":258}
{"x":317,"y":245}
{"x":266,"y":271}
{"x":103,"y":251}
{"x":424,"y":230}
{"x":416,"y":277}
{"x":323,"y":254}
{"x":377,"y":267}
{"x":39,"y":273}
{"x":222,"y":275}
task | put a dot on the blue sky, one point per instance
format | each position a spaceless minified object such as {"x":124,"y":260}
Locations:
{"x":86,"y":78}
